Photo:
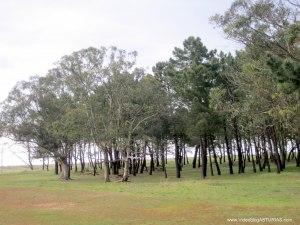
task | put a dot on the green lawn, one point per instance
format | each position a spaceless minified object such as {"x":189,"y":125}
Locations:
{"x":38,"y":197}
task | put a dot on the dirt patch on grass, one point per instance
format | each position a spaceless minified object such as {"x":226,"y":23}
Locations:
{"x":40,"y":206}
{"x":93,"y":206}
{"x":33,"y":198}
{"x":54,"y":206}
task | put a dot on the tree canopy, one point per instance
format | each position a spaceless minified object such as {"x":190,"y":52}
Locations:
{"x":96,"y":103}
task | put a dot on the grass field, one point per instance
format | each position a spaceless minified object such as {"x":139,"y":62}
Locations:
{"x":38,"y":197}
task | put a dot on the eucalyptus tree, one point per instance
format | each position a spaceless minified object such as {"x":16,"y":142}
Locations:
{"x":116,"y":96}
{"x":41,"y":112}
{"x":142,"y":99}
{"x":16,"y":117}
{"x":88,"y":74}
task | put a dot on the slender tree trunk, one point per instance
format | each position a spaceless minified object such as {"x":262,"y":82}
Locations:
{"x":281,"y":145}
{"x":106,"y":165}
{"x":177,"y":162}
{"x":221,"y":154}
{"x":112,"y":161}
{"x":228,"y":150}
{"x":266,"y":155}
{"x":163,"y":163}
{"x":199,"y":156}
{"x":116,"y":162}
{"x":292,"y":151}
{"x":256,"y":147}
{"x":151,"y":161}
{"x":204,"y":157}
{"x":56,"y":167}
{"x":210,"y":163}
{"x":94,"y":165}
{"x":134,"y":165}
{"x":251,"y":154}
{"x":69,"y":160}
{"x":276,"y":154}
{"x":238,"y":146}
{"x":75,"y":157}
{"x":224,"y":150}
{"x":47,"y":163}
{"x":186,"y":156}
{"x":195,"y":156}
{"x":81,"y":158}
{"x":126,"y":172}
{"x":126,"y":165}
{"x":157,"y":157}
{"x":143,"y":165}
{"x":166,"y":157}
{"x":29,"y":157}
{"x":215,"y":155}
{"x":180,"y":154}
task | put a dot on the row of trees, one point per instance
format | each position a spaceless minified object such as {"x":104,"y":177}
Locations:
{"x":98,"y":103}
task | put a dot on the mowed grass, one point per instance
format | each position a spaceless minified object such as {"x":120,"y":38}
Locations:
{"x":39,"y":197}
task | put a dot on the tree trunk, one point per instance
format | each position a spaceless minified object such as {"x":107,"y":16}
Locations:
{"x":228,"y":150}
{"x":210,"y":163}
{"x":238,"y":146}
{"x":224,"y":150}
{"x":163,"y":163}
{"x":276,"y":153}
{"x":143,"y":164}
{"x":29,"y":157}
{"x":256,"y":147}
{"x":47,"y":166}
{"x":276,"y":157}
{"x":75,"y":157}
{"x":195,"y":156}
{"x":64,"y":168}
{"x":215,"y":156}
{"x":56,"y":167}
{"x":199,"y":155}
{"x":266,"y":155}
{"x":126,"y":170}
{"x":106,"y":165}
{"x":281,"y":145}
{"x":251,"y":154}
{"x":126,"y":166}
{"x":221,"y":154}
{"x":204,"y":158}
{"x":81,"y":158}
{"x":177,"y":163}
{"x":116,"y":162}
{"x":151,"y":161}
{"x":157,"y":158}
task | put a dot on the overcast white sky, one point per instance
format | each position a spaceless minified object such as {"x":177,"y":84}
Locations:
{"x":36,"y":33}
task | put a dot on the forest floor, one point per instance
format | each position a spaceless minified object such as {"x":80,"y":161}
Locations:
{"x":39,"y":197}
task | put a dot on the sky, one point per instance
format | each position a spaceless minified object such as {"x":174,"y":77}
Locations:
{"x":34,"y":34}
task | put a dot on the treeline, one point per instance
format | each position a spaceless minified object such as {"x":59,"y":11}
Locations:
{"x":96,"y":104}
